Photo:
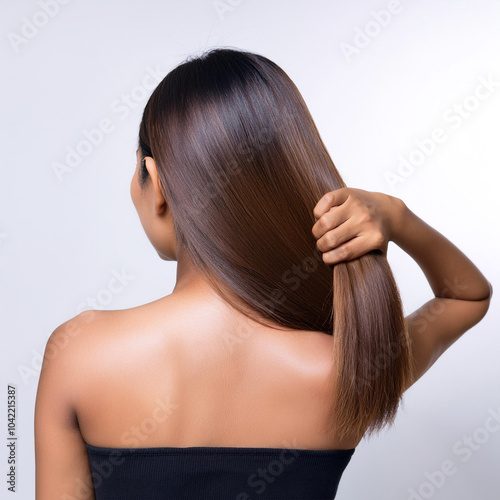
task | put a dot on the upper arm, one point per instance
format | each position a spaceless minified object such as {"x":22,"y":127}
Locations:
{"x":435,"y":326}
{"x":62,"y":466}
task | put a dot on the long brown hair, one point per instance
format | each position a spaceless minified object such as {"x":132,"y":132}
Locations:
{"x":242,"y":166}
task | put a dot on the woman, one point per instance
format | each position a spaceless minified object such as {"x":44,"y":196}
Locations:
{"x":245,"y":382}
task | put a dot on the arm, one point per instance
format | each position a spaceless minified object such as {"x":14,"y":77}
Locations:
{"x":351,"y":222}
{"x":461,"y":293}
{"x":62,"y":467}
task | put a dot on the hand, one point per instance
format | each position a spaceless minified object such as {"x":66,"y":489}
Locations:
{"x":352,"y":222}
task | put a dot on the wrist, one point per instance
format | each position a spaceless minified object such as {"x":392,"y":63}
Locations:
{"x":398,"y":217}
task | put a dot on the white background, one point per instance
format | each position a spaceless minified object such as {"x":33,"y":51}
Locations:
{"x":61,"y":239}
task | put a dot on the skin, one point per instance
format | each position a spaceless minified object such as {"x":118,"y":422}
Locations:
{"x":189,"y":370}
{"x":350,"y":221}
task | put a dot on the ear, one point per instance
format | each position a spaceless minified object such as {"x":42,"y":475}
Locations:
{"x":160,"y":204}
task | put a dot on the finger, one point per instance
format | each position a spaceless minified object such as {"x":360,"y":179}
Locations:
{"x":329,"y":200}
{"x":335,"y":237}
{"x":330,"y":220}
{"x":350,"y":250}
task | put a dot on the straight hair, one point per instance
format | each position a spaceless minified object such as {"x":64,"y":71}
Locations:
{"x":242,"y":166}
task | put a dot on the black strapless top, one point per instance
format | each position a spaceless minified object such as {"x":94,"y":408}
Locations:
{"x":216,"y":473}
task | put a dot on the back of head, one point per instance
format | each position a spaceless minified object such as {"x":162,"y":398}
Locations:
{"x":242,"y":166}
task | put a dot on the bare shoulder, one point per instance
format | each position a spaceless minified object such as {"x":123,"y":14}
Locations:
{"x":98,"y":353}
{"x":67,"y":340}
{"x":116,"y":365}
{"x":74,"y":335}
{"x":95,"y":335}
{"x":65,"y":352}
{"x":71,"y":329}
{"x":61,"y":371}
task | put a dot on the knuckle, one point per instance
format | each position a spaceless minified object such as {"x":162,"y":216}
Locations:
{"x":322,"y":224}
{"x":351,"y":204}
{"x":329,"y":221}
{"x":330,"y":239}
{"x":344,"y":252}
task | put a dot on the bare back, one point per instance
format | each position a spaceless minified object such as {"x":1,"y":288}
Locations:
{"x":182,"y":371}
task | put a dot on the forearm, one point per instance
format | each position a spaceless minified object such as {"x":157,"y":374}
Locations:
{"x":449,"y":271}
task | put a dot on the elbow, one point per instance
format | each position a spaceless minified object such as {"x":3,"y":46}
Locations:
{"x":483,"y":305}
{"x":491,"y":291}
